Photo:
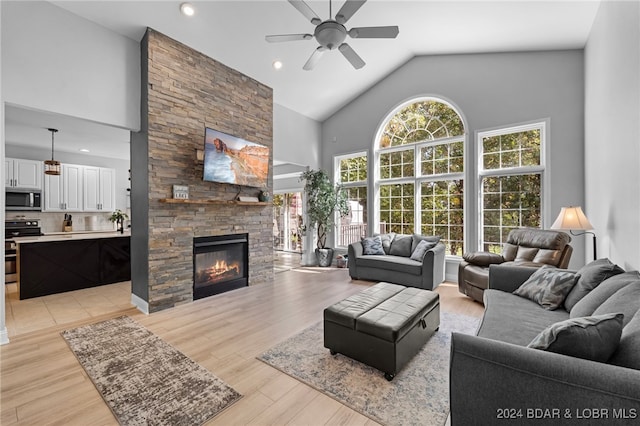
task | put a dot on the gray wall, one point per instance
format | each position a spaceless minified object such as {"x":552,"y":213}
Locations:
{"x":490,"y":90}
{"x":612,"y":131}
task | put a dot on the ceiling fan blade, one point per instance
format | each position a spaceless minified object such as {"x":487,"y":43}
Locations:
{"x":374,"y":32}
{"x":287,"y":37}
{"x":306,"y":11}
{"x":351,"y":56}
{"x":348,"y":9}
{"x":315,"y":57}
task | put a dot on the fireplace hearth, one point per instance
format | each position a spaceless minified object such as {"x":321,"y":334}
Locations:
{"x":220,"y":263}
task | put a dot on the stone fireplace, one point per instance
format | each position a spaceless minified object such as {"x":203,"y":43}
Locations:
{"x":184,"y":92}
{"x":220,"y":263}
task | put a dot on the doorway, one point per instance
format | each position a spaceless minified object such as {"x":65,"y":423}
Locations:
{"x":287,"y":222}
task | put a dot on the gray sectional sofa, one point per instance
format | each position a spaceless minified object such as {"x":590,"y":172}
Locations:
{"x":394,"y":263}
{"x":496,"y":378}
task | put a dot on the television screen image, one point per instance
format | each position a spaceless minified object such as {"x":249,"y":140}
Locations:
{"x":229,"y":159}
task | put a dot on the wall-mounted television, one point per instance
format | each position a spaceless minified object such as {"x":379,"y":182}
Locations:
{"x":229,"y":159}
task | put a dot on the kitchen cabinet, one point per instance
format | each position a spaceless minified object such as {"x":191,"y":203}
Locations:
{"x":25,"y":174}
{"x":64,"y":192}
{"x":55,"y":266}
{"x":99,"y":189}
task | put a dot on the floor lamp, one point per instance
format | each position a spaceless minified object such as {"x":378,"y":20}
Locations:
{"x":572,"y":218}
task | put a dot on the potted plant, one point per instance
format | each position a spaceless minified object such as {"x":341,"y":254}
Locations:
{"x":119,"y":217}
{"x":323,"y":200}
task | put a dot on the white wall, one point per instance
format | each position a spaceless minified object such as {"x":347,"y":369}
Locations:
{"x":296,"y":139}
{"x":55,"y":61}
{"x":612,"y":131}
{"x":4,"y":338}
{"x":490,"y":90}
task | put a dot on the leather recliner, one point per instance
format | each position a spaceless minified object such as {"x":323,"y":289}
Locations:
{"x":524,"y":247}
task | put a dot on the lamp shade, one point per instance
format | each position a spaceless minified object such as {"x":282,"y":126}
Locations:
{"x":572,"y":218}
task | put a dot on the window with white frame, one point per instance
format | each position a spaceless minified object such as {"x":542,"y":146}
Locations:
{"x":511,"y":174}
{"x":351,"y":173}
{"x":420,"y":172}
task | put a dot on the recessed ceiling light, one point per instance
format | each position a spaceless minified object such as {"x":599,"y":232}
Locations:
{"x":84,"y":150}
{"x":277,"y":64}
{"x":187,"y":9}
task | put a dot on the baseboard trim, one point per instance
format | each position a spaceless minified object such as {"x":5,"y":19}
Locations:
{"x":4,"y":336}
{"x":141,"y":304}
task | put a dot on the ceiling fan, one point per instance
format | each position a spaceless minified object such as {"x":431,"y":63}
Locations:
{"x":331,"y":33}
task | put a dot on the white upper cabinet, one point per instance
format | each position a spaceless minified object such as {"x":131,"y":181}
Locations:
{"x":64,"y":192}
{"x":25,"y":174}
{"x":99,"y":189}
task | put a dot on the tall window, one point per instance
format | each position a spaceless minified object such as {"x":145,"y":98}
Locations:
{"x":351,"y":172}
{"x":511,"y":173}
{"x":420,"y":156}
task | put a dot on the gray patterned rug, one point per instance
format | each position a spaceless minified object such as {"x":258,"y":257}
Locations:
{"x":143,"y":379}
{"x":418,"y":395}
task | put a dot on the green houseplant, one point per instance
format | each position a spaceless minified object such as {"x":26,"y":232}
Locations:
{"x":323,"y":200}
{"x":119,"y":217}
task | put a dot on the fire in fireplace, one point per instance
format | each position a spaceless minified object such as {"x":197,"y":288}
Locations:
{"x":220,"y":263}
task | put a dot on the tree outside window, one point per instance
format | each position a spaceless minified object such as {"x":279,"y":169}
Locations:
{"x":420,"y":157}
{"x":351,"y":173}
{"x":511,"y":178}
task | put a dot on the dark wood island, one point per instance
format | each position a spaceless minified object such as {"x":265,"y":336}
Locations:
{"x":57,"y":263}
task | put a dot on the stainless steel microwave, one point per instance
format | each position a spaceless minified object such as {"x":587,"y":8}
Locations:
{"x":23,"y":199}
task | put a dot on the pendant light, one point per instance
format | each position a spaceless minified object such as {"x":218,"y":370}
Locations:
{"x":52,"y":167}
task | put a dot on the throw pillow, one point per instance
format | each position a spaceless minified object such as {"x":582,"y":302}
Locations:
{"x":596,"y":297}
{"x":548,"y":286}
{"x":595,"y":338}
{"x":372,"y":245}
{"x":386,"y":240}
{"x":627,"y":353}
{"x":416,"y":238}
{"x":401,"y":246}
{"x":591,"y":275}
{"x":421,"y":249}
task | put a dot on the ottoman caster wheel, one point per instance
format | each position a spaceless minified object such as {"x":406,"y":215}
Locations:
{"x":332,"y":352}
{"x":389,"y":376}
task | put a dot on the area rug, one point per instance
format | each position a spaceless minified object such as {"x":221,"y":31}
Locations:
{"x":143,"y":379}
{"x":418,"y":395}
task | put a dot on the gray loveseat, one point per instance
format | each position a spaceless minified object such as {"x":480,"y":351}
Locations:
{"x":495,"y":378}
{"x":395,"y":264}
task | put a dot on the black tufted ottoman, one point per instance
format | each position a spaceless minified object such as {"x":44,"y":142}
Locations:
{"x":383,"y":326}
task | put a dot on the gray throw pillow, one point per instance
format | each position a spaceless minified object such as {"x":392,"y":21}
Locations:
{"x":401,"y":246}
{"x":416,"y":238}
{"x":548,"y":286}
{"x":421,"y":249}
{"x":596,"y":297}
{"x":386,"y":240}
{"x":372,"y":245}
{"x":591,"y":275}
{"x":629,"y":347}
{"x":595,"y":338}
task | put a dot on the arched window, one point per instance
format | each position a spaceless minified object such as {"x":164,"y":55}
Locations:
{"x":420,"y":172}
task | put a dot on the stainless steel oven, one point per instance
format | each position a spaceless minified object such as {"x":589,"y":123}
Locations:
{"x":16,"y":228}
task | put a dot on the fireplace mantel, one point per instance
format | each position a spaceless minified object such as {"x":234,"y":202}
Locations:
{"x":239,"y":203}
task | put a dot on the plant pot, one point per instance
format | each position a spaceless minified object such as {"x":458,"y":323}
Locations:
{"x":324,"y":256}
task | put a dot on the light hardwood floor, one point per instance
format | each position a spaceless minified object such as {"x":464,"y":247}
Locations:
{"x":42,"y":382}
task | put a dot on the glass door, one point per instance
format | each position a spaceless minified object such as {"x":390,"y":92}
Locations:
{"x":287,"y":219}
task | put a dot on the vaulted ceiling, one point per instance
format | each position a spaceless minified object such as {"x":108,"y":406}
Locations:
{"x":233,"y":32}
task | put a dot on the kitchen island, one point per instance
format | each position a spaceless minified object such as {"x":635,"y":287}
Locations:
{"x":59,"y":262}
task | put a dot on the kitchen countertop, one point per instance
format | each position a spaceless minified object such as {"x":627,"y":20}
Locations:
{"x":74,"y":235}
